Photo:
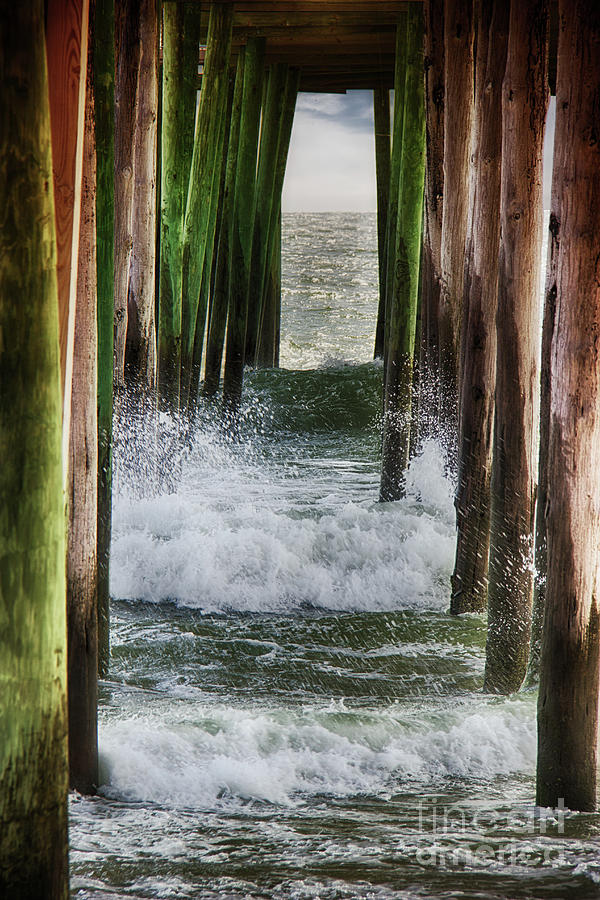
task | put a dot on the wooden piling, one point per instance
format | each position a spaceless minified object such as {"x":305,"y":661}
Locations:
{"x":204,"y":180}
{"x":524,"y":103}
{"x":381,"y":117}
{"x":140,"y":352}
{"x":181,"y":39}
{"x":434,"y":193}
{"x":469,"y":580}
{"x":82,"y":506}
{"x":568,"y":696}
{"x":403,"y":312}
{"x":218,"y":319}
{"x":243,"y":225}
{"x":269,"y":325}
{"x":104,"y":81}
{"x":264,"y":201}
{"x":458,"y":98}
{"x":33,"y":734}
{"x":127,"y":61}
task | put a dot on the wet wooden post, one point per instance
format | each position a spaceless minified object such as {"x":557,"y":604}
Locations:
{"x":395,"y":169}
{"x":469,"y":581}
{"x":268,"y":343}
{"x":524,"y":103}
{"x":568,"y":696}
{"x":140,"y":352}
{"x":458,"y":98}
{"x":205,"y":172}
{"x":66,"y":41}
{"x":403,"y":312}
{"x":381,"y":116}
{"x":181,"y":40}
{"x":242,"y":230}
{"x":434,"y":194}
{"x":33,"y":748}
{"x":82,"y":493}
{"x":218,"y":319}
{"x":104,"y":79}
{"x":127,"y":64}
{"x":264,"y":201}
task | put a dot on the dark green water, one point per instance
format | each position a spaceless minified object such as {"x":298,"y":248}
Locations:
{"x":291,"y":712}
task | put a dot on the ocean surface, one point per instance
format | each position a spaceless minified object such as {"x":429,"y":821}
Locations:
{"x":291,"y":712}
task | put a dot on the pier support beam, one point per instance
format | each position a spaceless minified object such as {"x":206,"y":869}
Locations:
{"x":181,"y":40}
{"x":381,"y":116}
{"x":403,"y":311}
{"x":204,"y":182}
{"x":469,"y":581}
{"x":220,"y":300}
{"x":459,"y":34}
{"x":524,"y":103}
{"x":568,"y":696}
{"x":243,"y":224}
{"x":33,"y":730}
{"x":104,"y":83}
{"x":434,"y":196}
{"x":140,"y":344}
{"x":82,"y":484}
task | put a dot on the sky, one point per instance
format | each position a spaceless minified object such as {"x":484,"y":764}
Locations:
{"x":331,"y":163}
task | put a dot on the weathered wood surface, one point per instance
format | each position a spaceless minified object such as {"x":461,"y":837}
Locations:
{"x":127,"y":63}
{"x":568,"y":696}
{"x":524,"y":103}
{"x":140,"y":340}
{"x":381,"y":117}
{"x":458,"y":103}
{"x":181,"y":38}
{"x":33,"y":730}
{"x":243,"y":222}
{"x":204,"y":181}
{"x":403,"y":306}
{"x":82,"y":505}
{"x":220,"y":302}
{"x":104,"y":76}
{"x":469,"y":580}
{"x":434,"y":194}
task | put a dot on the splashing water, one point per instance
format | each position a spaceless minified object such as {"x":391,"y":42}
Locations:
{"x":291,"y":712}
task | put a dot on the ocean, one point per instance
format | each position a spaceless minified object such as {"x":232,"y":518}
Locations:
{"x":291,"y":712}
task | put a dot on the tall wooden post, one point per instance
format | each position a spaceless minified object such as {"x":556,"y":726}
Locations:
{"x":181,"y":39}
{"x":403,"y":312}
{"x":218,"y":318}
{"x":82,"y":613}
{"x":243,"y":225}
{"x":67,"y":43}
{"x":269,"y":325}
{"x":33,"y":731}
{"x":434,"y":195}
{"x":469,"y":581}
{"x":381,"y":116}
{"x":205,"y":173}
{"x":264,"y":200}
{"x":140,"y":351}
{"x":568,"y":696}
{"x":458,"y":93}
{"x":127,"y":64}
{"x":524,"y":103}
{"x":104,"y":79}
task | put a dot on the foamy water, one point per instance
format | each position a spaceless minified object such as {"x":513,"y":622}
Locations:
{"x":291,"y":711}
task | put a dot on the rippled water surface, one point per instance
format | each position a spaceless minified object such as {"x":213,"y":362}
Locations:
{"x":290,"y":711}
